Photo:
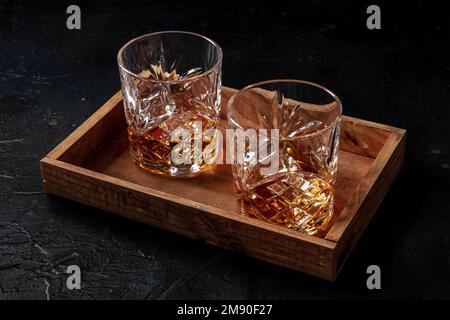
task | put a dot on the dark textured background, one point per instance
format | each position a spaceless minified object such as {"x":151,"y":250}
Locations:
{"x":51,"y":79}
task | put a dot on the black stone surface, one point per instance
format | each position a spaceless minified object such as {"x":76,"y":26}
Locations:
{"x":52,"y":78}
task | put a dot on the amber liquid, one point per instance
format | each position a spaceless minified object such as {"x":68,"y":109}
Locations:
{"x":301,"y":199}
{"x":152,"y":149}
{"x":296,"y":200}
{"x":180,"y":106}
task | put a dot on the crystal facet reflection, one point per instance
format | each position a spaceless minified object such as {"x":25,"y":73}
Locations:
{"x":170,"y":80}
{"x":300,"y":194}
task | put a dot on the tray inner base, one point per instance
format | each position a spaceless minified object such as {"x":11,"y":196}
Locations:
{"x":213,"y":187}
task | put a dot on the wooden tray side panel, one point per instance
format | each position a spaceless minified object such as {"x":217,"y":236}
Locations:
{"x":357,"y":137}
{"x":262,"y":243}
{"x":367,"y":197}
{"x":377,"y":153}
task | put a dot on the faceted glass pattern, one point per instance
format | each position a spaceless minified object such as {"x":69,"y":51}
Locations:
{"x":170,"y":80}
{"x":299,"y":194}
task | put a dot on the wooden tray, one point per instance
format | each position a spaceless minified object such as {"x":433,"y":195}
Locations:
{"x":93,"y":166}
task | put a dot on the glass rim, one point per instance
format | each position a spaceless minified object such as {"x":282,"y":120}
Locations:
{"x":294,"y":81}
{"x":201,"y":75}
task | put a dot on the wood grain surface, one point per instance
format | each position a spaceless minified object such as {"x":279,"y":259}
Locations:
{"x":93,"y":166}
